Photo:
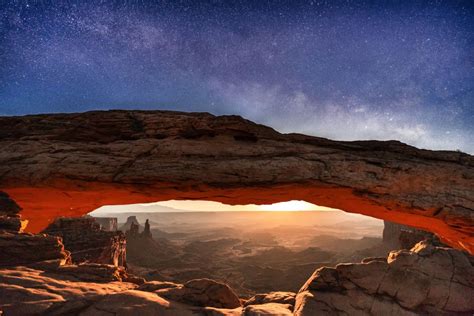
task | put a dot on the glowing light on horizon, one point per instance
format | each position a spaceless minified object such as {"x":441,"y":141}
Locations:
{"x":210,"y":206}
{"x":292,"y":206}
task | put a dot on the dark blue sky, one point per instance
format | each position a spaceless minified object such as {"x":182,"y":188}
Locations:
{"x":339,"y":69}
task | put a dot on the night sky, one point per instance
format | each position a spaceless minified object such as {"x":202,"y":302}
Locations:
{"x":339,"y":69}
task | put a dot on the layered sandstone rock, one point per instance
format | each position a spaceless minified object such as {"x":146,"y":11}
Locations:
{"x":423,"y":280}
{"x":272,"y":297}
{"x":70,"y":164}
{"x":267,"y":309}
{"x":17,"y":248}
{"x":87,"y":242}
{"x":202,"y":292}
{"x":131,"y":302}
{"x":26,"y":249}
{"x":107,"y":223}
{"x":26,"y":291}
{"x":399,"y":236}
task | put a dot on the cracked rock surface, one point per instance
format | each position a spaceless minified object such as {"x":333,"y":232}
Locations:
{"x":424,"y":280}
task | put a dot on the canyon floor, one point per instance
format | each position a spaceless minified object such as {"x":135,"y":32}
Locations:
{"x":253,"y":252}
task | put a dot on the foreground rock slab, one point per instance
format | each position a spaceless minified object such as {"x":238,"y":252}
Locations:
{"x":272,"y":297}
{"x":130,"y":303}
{"x":268,"y":309}
{"x":26,"y":291}
{"x":424,"y":280}
{"x":202,"y":292}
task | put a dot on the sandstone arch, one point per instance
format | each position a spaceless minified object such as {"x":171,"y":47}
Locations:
{"x":70,"y":164}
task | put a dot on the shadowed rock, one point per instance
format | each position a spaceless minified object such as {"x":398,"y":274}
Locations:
{"x":10,"y":219}
{"x":107,"y":223}
{"x":86,"y":241}
{"x":423,"y":280}
{"x":27,"y":249}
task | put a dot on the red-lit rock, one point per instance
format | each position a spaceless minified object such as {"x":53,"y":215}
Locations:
{"x":70,"y":164}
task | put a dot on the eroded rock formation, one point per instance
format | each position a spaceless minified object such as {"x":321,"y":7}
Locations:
{"x":18,"y":248}
{"x":87,"y":242}
{"x":70,"y":164}
{"x":399,"y":236}
{"x":131,"y":220}
{"x":107,"y":223}
{"x":142,"y":249}
{"x":10,"y":219}
{"x":27,"y":249}
{"x":202,"y":292}
{"x":426,"y":280}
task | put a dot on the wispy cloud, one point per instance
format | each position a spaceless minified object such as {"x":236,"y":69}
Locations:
{"x":352,"y":119}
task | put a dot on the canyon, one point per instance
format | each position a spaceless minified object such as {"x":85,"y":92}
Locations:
{"x":43,"y":278}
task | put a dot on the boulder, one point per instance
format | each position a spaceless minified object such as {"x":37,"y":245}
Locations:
{"x":272,"y":297}
{"x":202,"y":292}
{"x":268,"y":309}
{"x":399,"y":236}
{"x":152,"y":286}
{"x":213,"y":311}
{"x":426,"y":279}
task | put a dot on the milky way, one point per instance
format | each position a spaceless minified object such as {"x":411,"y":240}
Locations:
{"x":339,"y":69}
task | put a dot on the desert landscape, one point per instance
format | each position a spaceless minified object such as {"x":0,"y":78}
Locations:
{"x":245,"y":249}
{"x":236,"y":158}
{"x":227,"y":263}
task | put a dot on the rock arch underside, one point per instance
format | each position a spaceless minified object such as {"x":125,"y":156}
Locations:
{"x":70,"y":164}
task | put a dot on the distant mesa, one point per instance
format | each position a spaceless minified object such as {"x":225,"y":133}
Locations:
{"x":131,"y":220}
{"x":133,"y":230}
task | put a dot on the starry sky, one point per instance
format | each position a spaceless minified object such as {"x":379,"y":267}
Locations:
{"x":338,"y":69}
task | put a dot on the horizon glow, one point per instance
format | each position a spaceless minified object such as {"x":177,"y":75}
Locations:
{"x":209,"y":206}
